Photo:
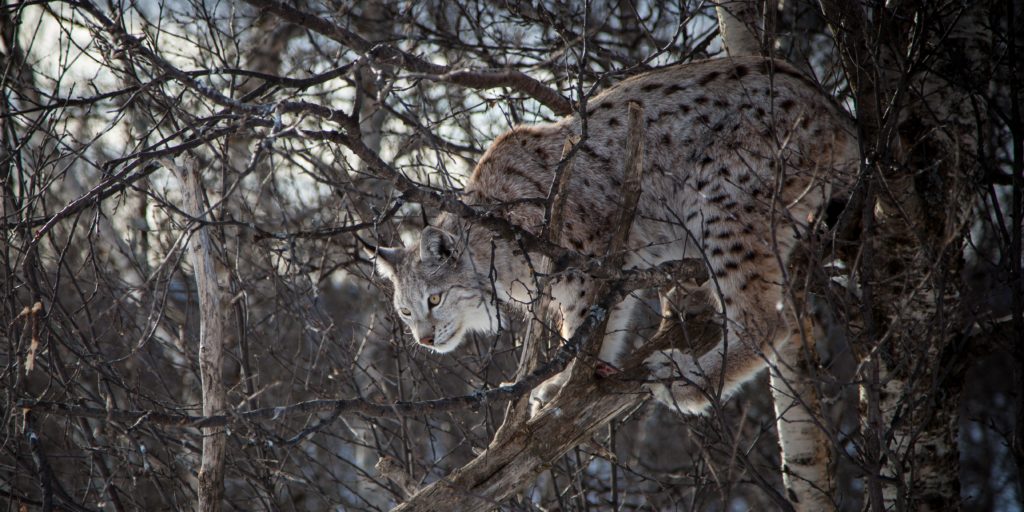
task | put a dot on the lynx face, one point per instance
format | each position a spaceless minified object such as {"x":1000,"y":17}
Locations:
{"x":438,"y":293}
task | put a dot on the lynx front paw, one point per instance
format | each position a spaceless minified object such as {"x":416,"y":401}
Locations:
{"x":545,"y":392}
{"x":677,"y":392}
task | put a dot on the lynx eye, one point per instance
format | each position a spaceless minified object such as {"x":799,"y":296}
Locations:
{"x":434,"y":299}
{"x":405,"y":311}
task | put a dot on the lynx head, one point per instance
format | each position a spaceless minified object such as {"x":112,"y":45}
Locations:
{"x":438,"y":292}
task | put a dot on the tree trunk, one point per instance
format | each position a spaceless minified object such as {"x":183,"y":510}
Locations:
{"x":922,"y":150}
{"x":805,"y":447}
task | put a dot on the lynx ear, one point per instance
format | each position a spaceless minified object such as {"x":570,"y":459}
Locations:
{"x":436,"y":245}
{"x":386,"y":258}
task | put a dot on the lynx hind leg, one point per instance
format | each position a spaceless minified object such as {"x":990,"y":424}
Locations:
{"x":692,"y":382}
{"x":752,"y":324}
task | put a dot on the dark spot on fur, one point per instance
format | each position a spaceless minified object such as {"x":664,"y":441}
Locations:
{"x":586,"y":182}
{"x":674,"y":88}
{"x":720,"y":273}
{"x":613,"y":122}
{"x":582,"y":293}
{"x":718,"y":127}
{"x":666,"y":139}
{"x":708,"y":78}
{"x":750,"y":256}
{"x":650,"y":87}
{"x":746,"y":106}
{"x":729,"y":205}
{"x":787,"y":104}
{"x":543,"y":155}
{"x":701,"y":100}
{"x":727,"y":301}
{"x":701,"y":183}
{"x":706,"y":233}
{"x":739,"y":72}
{"x":805,"y":122}
{"x":691,"y":215}
{"x":606,"y":105}
{"x":745,"y":177}
{"x":714,"y":219}
{"x":706,"y":160}
{"x":718,"y":198}
{"x":736,"y":248}
{"x":759,"y":111}
{"x":720,"y":103}
{"x":704,"y":119}
{"x":717,"y":251}
{"x":684,"y":108}
{"x":732,"y":265}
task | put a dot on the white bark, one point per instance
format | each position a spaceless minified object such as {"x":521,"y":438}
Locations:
{"x":737,"y":25}
{"x":804,"y":445}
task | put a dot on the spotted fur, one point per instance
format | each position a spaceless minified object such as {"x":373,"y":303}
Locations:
{"x":741,"y":154}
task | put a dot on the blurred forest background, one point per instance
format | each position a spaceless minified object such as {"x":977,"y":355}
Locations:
{"x":269,"y":137}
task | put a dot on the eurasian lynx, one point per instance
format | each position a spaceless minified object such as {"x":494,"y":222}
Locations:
{"x":741,"y":155}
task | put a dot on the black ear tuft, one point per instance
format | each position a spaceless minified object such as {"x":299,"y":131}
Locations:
{"x":436,"y":245}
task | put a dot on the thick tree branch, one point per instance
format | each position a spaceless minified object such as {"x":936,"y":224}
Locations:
{"x":570,"y":419}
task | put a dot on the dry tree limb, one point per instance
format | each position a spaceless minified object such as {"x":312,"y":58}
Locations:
{"x":212,"y":332}
{"x":519,"y":410}
{"x":632,"y":181}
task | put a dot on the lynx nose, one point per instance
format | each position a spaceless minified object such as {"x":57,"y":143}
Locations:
{"x":427,"y":340}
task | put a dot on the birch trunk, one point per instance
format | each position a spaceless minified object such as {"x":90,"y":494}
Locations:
{"x":919,"y":200}
{"x":212,"y":330}
{"x":806,"y":471}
